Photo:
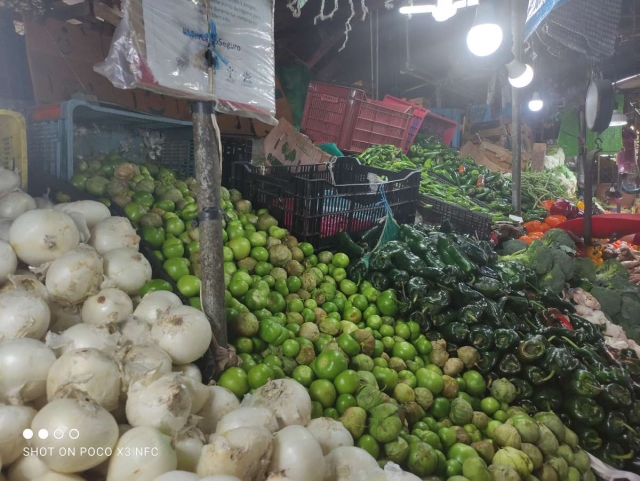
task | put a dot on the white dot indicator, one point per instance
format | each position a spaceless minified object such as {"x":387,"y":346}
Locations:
{"x":74,"y":434}
{"x":58,"y":434}
{"x":43,"y":434}
{"x":27,"y":434}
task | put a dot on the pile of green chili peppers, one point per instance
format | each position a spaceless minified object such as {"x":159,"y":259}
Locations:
{"x":457,"y":290}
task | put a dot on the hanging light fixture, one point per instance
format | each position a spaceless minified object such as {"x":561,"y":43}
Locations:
{"x":442,"y":10}
{"x":536,"y":103}
{"x":520,"y":74}
{"x":485,"y":37}
{"x":445,"y":9}
{"x":618,"y":119}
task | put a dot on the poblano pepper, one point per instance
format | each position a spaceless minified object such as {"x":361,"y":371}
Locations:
{"x":444,"y":318}
{"x":465,"y":295}
{"x":379,"y":281}
{"x":547,"y":398}
{"x":358,"y":271}
{"x":488,"y":287}
{"x":615,"y":424}
{"x":398,"y":278}
{"x":436,"y":301}
{"x":560,"y":361}
{"x":487,"y":362}
{"x":536,"y":375}
{"x":509,"y":365}
{"x":381,"y":261}
{"x":417,"y":287}
{"x":615,"y":396}
{"x":584,"y":383}
{"x":470,"y":314}
{"x":524,"y":390}
{"x":456,"y":332}
{"x":505,"y":339}
{"x":452,"y":252}
{"x":532,"y":349}
{"x":481,"y":337}
{"x":588,"y":438}
{"x":584,"y":410}
{"x":614,"y":455}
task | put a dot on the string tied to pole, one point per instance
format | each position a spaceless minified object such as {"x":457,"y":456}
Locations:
{"x":211,"y":54}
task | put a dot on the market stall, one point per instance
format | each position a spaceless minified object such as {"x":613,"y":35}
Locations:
{"x":351,"y":299}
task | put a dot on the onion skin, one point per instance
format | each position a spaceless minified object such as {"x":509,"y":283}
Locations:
{"x":126,"y":269}
{"x":24,"y":365}
{"x":75,"y":276}
{"x":14,"y":420}
{"x":23,"y":315}
{"x":8,"y":261}
{"x":155,"y":304}
{"x":93,"y":212}
{"x":297,"y":455}
{"x":330,"y":434}
{"x":113,"y":233}
{"x":109,"y":306}
{"x":141,"y":464}
{"x":184,"y":333}
{"x":87,"y":370}
{"x":43,"y":235}
{"x":96,"y":428}
{"x":14,"y":204}
{"x":221,"y":401}
{"x":289,"y":401}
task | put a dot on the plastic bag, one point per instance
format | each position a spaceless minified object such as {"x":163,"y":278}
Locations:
{"x":172,"y":46}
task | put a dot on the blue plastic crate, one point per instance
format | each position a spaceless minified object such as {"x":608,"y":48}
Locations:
{"x":58,"y":134}
{"x":456,"y":116}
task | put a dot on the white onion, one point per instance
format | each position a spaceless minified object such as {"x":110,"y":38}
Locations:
{"x":75,"y":276}
{"x":150,"y":455}
{"x":221,"y":402}
{"x":93,"y":212}
{"x":109,"y":306}
{"x":199,"y":393}
{"x":243,"y":452}
{"x":51,"y":476}
{"x":8,"y":261}
{"x":83,"y":336}
{"x":297,"y":455}
{"x":14,"y":204}
{"x":393,"y":472}
{"x":188,"y":445}
{"x":5,"y":228}
{"x":81,"y":224}
{"x":114,"y":233}
{"x":87,"y":370}
{"x":278,"y":477}
{"x":14,"y":420}
{"x":350,"y":464}
{"x":184,"y":333}
{"x":24,"y":365}
{"x":330,"y":434}
{"x":23,"y":315}
{"x":63,"y":317}
{"x":43,"y":235}
{"x":134,"y":331}
{"x":164,"y":404}
{"x":126,"y":269}
{"x":27,"y":468}
{"x":27,"y":282}
{"x":289,"y":401}
{"x":188,"y":370}
{"x":154,"y":304}
{"x":9,"y":181}
{"x":96,"y":430}
{"x":143,"y":362}
{"x":246,"y":418}
{"x":178,"y":476}
{"x":220,"y":478}
{"x":44,"y":202}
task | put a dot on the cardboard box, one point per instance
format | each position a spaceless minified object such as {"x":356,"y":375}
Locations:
{"x":286,"y":146}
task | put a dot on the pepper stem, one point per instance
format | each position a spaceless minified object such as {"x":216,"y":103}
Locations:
{"x":553,"y":373}
{"x":629,"y":428}
{"x":570,"y":342}
{"x":629,"y":455}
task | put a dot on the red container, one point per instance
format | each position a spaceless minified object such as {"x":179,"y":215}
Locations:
{"x":376,"y":123}
{"x":328,"y":111}
{"x":419,"y":114}
{"x":440,"y":127}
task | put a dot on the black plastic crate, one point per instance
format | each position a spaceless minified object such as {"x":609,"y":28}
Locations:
{"x":316,"y":202}
{"x":234,"y":149}
{"x":464,"y":221}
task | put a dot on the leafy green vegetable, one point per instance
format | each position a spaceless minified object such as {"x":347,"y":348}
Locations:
{"x":538,"y":257}
{"x":584,"y":268}
{"x":564,"y":262}
{"x":512,"y":246}
{"x":610,"y":300}
{"x":559,"y":239}
{"x":553,"y":280}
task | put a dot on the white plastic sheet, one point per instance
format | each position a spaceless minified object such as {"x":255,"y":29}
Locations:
{"x":160,"y":45}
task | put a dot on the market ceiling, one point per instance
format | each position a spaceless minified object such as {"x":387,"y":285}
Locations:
{"x":437,"y":62}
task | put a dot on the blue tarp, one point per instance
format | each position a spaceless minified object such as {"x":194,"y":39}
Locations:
{"x":537,"y":12}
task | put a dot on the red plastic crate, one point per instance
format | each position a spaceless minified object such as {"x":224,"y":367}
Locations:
{"x":440,"y":127}
{"x":328,"y":110}
{"x":376,"y":123}
{"x":419,"y":113}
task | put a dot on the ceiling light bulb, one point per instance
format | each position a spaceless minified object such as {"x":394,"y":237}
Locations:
{"x":444,"y":10}
{"x":520,"y":74}
{"x":413,"y":9}
{"x":536,"y":103}
{"x":618,"y":119}
{"x":485,"y":37}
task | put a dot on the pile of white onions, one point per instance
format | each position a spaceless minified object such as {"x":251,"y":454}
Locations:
{"x":110,"y":377}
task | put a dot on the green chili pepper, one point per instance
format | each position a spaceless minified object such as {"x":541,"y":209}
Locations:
{"x":524,"y":389}
{"x":584,"y":383}
{"x":436,"y":301}
{"x":509,"y":365}
{"x":471,"y":313}
{"x":505,"y":339}
{"x":532,"y":349}
{"x":456,"y":332}
{"x":584,"y":410}
{"x":536,"y":375}
{"x":615,"y":424}
{"x":614,"y":454}
{"x":588,"y":438}
{"x":547,"y":398}
{"x":481,"y":337}
{"x":488,"y":287}
{"x":487,"y":362}
{"x":615,"y":396}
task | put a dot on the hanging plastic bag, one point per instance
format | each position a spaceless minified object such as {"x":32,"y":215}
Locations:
{"x":215,"y":50}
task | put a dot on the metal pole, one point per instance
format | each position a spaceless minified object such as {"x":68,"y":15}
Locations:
{"x":377,"y":55}
{"x":516,"y":123}
{"x":373,"y":81}
{"x":208,"y":178}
